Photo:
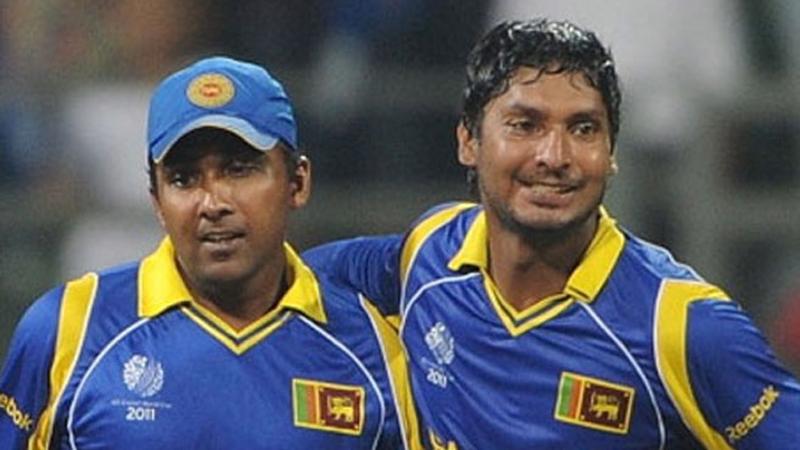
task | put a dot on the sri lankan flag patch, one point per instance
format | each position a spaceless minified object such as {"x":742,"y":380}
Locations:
{"x":328,"y":406}
{"x":594,"y":403}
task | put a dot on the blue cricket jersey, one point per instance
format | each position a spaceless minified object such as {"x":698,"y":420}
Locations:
{"x":637,"y":352}
{"x":124,"y":359}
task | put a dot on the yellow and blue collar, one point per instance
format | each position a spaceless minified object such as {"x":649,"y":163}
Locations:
{"x":584,"y":284}
{"x":161,"y":286}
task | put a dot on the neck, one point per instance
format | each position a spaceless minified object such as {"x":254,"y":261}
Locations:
{"x":529,"y":267}
{"x":242,"y":302}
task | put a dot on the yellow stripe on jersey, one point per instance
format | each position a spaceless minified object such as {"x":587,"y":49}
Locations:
{"x":76,"y":305}
{"x":420,"y":234}
{"x":516,"y":322}
{"x":672,"y":314}
{"x":396,"y":363}
{"x":238,"y":342}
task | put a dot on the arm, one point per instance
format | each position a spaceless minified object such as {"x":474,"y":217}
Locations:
{"x":24,"y":381}
{"x":744,"y":392}
{"x":366,"y":264}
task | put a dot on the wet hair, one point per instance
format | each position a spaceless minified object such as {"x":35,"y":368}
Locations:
{"x":292,"y":158}
{"x":549,"y":46}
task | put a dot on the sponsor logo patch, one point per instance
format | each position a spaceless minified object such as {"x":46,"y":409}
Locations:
{"x":594,"y":403}
{"x":328,"y":406}
{"x":210,"y":90}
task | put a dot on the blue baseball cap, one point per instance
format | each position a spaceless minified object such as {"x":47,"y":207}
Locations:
{"x":224,"y":93}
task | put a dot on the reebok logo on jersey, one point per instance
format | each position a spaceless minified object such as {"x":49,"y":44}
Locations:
{"x":21,"y":420}
{"x":757,"y":413}
{"x":327,"y":406}
{"x":594,"y":403}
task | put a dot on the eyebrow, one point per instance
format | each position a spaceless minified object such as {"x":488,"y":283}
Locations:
{"x":532,"y":111}
{"x":527,"y":110}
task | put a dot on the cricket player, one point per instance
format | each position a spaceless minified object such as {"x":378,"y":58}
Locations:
{"x":222,"y":338}
{"x":532,"y":320}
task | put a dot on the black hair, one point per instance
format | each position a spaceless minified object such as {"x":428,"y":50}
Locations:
{"x":549,"y":46}
{"x":292,"y":157}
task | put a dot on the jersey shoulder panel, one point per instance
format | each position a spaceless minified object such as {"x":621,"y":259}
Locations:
{"x":432,"y":243}
{"x":656,"y":260}
{"x":36,"y":330}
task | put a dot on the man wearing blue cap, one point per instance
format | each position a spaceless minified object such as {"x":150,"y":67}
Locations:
{"x":223,"y":337}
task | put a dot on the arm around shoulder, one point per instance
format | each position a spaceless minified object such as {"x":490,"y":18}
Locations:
{"x":366,"y":264}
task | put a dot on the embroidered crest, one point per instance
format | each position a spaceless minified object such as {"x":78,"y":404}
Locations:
{"x":327,"y":406}
{"x":143,"y":375}
{"x":210,"y":90}
{"x":594,"y":403}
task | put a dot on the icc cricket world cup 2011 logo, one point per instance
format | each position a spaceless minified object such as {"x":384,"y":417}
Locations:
{"x":143,"y":375}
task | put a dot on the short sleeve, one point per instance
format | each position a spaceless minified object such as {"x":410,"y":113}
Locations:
{"x":741,"y":387}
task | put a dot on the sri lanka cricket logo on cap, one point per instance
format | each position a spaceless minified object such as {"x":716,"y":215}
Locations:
{"x":327,"y":406}
{"x":594,"y":403}
{"x":210,"y":90}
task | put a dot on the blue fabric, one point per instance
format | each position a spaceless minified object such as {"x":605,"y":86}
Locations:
{"x":478,"y":386}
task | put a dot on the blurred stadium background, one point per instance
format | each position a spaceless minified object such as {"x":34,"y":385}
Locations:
{"x":709,"y":150}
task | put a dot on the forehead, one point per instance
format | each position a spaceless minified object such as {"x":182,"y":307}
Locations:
{"x":563,"y":91}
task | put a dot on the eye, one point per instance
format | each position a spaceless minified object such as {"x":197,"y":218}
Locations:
{"x":522,"y":125}
{"x":241,"y":168}
{"x":181,"y":178}
{"x":586,"y":128}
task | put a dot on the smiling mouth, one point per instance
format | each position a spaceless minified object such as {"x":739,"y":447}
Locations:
{"x":548,"y":195}
{"x":544,"y":188}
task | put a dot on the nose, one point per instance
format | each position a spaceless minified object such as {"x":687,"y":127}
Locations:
{"x":215,"y":202}
{"x":554,"y":151}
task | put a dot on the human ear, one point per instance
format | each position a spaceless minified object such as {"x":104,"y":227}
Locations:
{"x":300,"y":183}
{"x":612,"y":168}
{"x":467,"y":146}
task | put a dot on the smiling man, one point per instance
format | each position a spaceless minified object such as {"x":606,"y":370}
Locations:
{"x":222,"y":338}
{"x":532,"y":320}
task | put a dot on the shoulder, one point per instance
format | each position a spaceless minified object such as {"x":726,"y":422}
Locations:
{"x":37,"y":327}
{"x":354,"y":322}
{"x":70,"y":304}
{"x":656,"y":260}
{"x":342,"y":304}
{"x":352,"y":318}
{"x":442,"y":214}
{"x":443,"y":228}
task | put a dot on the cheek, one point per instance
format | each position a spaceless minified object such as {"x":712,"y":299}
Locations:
{"x":596,"y":164}
{"x":179,"y":217}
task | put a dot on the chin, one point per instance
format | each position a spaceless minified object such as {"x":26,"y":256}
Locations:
{"x":539,"y":220}
{"x":222,"y":274}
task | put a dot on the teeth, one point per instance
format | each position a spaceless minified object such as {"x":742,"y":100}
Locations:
{"x":218,"y":237}
{"x":544,"y":188}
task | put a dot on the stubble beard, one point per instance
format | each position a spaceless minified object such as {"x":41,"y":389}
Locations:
{"x":537,"y":233}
